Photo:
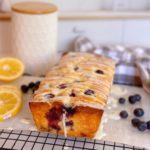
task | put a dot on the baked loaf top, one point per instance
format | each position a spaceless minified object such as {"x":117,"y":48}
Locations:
{"x":79,"y":79}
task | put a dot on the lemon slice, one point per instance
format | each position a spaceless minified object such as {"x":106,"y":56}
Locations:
{"x":10,"y":104}
{"x":11,"y":88}
{"x":10,"y":69}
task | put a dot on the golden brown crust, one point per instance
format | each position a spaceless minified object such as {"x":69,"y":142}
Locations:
{"x":80,"y":84}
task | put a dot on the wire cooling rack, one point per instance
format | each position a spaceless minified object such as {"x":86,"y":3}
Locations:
{"x":32,"y":140}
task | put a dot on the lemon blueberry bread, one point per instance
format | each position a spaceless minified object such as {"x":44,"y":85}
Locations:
{"x":72,"y":97}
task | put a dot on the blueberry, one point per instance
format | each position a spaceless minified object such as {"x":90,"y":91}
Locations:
{"x":135,"y":122}
{"x":142,"y":126}
{"x":54,"y":116}
{"x":33,"y":90}
{"x":148,"y":125}
{"x":24,"y":88}
{"x":69,"y":123}
{"x":99,"y":72}
{"x":122,"y":100}
{"x":62,"y":86}
{"x":132,"y":100}
{"x":124,"y":114}
{"x":137,"y":97}
{"x":76,"y":68}
{"x":36,"y":86}
{"x":73,"y":94}
{"x":89,"y":92}
{"x":49,"y":96}
{"x":139,"y":112}
{"x":70,"y":111}
{"x":37,"y":83}
{"x":31,"y":85}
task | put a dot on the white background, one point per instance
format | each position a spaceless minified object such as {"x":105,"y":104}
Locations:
{"x":128,"y":32}
{"x":95,"y":5}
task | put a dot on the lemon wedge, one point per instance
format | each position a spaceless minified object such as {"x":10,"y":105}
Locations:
{"x":10,"y":69}
{"x":10,"y":103}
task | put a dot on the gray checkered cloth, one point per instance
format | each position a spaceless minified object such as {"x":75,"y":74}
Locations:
{"x":125,"y":58}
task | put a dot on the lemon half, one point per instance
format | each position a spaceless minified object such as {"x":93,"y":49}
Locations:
{"x":10,"y":102}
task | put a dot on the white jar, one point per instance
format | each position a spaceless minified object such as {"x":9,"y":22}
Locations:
{"x":34,"y":35}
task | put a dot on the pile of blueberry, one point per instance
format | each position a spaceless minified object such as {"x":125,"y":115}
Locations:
{"x":32,"y":85}
{"x":138,"y":112}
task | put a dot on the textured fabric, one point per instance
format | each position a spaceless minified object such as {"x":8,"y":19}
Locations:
{"x":125,"y":57}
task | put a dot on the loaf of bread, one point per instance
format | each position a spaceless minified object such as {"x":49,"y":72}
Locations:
{"x":72,"y":97}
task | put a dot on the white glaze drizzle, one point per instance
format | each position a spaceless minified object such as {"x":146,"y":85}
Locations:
{"x":64,"y":124}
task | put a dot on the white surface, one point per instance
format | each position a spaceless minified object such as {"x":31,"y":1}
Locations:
{"x":116,"y":130}
{"x":89,"y":5}
{"x":128,"y":32}
{"x":130,"y":5}
{"x":139,"y":5}
{"x":120,"y":5}
{"x":97,"y":30}
{"x":122,"y":131}
{"x":78,"y":5}
{"x":137,"y":32}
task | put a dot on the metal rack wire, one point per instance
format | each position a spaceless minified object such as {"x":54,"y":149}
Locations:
{"x":32,"y":140}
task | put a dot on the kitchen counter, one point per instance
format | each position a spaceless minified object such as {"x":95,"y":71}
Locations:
{"x":115,"y":129}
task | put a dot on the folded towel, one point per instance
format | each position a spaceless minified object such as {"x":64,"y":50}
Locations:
{"x":125,"y":57}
